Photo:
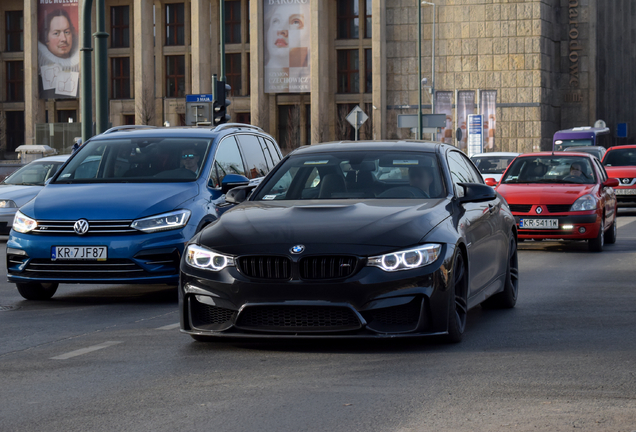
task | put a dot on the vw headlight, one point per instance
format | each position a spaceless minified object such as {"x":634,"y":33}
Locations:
{"x":7,"y":204}
{"x":206,"y":259}
{"x":586,"y":202}
{"x":163,"y":222}
{"x":23,"y":224}
{"x":406,"y":259}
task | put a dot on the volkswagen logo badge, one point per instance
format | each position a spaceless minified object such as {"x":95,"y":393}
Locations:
{"x":539,"y":210}
{"x":298,"y":249}
{"x":81,"y":226}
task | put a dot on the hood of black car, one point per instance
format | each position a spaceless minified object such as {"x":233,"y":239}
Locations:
{"x":391,"y":223}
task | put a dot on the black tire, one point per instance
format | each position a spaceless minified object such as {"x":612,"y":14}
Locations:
{"x":507,"y":299}
{"x":596,"y":244}
{"x":610,"y":234}
{"x":37,"y":290}
{"x":458,"y":304}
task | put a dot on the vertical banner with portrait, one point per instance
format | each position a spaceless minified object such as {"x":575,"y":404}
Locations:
{"x":488,"y":108}
{"x":465,"y":106}
{"x":58,"y":49}
{"x":287,"y":28}
{"x":444,"y":105}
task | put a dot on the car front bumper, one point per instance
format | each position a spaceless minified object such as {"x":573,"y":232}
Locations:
{"x":370,"y":303}
{"x":137,"y":258}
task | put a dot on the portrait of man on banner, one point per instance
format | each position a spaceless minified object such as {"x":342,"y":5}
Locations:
{"x":488,"y":108}
{"x":465,"y":106}
{"x":286,"y":46}
{"x":58,"y":50}
{"x":444,"y":105}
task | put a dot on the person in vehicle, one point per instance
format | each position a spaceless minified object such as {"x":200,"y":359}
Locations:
{"x":190,"y":159}
{"x":576,"y":173}
{"x":421,"y":178}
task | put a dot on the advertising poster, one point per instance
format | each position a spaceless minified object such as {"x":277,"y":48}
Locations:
{"x":488,"y":108}
{"x":444,"y":105}
{"x":58,"y":49}
{"x":465,"y":107}
{"x":287,"y":29}
{"x":475,"y":134}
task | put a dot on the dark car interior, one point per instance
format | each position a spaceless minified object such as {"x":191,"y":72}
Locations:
{"x":356,"y":176}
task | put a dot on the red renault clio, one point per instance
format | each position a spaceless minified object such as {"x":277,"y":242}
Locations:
{"x":561,"y":195}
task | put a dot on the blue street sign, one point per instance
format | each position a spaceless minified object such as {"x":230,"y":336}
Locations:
{"x":200,"y":98}
{"x":621,"y":130}
{"x":475,"y":134}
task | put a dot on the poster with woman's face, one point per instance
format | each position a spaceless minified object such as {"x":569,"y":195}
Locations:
{"x":488,"y":109}
{"x":287,"y":32}
{"x":58,"y":49}
{"x":465,"y":107}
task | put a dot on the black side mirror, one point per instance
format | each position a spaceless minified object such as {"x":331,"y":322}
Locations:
{"x":477,"y":192}
{"x":238,"y":194}
{"x":231,"y":181}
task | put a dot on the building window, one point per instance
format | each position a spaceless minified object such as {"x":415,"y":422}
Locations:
{"x":175,"y":76}
{"x":348,"y":71}
{"x":288,"y":130}
{"x":243,"y":117}
{"x":368,"y":69}
{"x":348,"y":19}
{"x":15,"y":31}
{"x":233,"y":73}
{"x":120,"y":77}
{"x":119,"y":27}
{"x":368,"y":26}
{"x":175,"y":27}
{"x":15,"y":81}
{"x":66,"y":116}
{"x":232,"y":21}
{"x":249,"y":75}
{"x":129,"y":119}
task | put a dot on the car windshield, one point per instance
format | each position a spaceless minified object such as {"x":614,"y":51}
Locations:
{"x":355,"y":175}
{"x":620,"y":157}
{"x":492,"y":164}
{"x":142,"y":160}
{"x":33,"y":174}
{"x":550,"y":169}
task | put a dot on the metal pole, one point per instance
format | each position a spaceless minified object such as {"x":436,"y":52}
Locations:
{"x":222,"y":40}
{"x":86,"y":99}
{"x":433,"y":71}
{"x":419,"y":70}
{"x":101,"y":69}
{"x":356,"y":126}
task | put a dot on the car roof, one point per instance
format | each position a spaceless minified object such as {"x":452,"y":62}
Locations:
{"x":178,"y":131}
{"x":629,"y":146}
{"x":574,"y":148}
{"x":496,"y":154}
{"x":402,"y":145}
{"x":556,"y":153}
{"x":57,"y":158}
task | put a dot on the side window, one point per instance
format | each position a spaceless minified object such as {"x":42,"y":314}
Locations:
{"x":266,"y":152}
{"x":473,"y":172}
{"x":601,"y":170}
{"x":273,"y":149}
{"x":226,"y":161}
{"x":253,"y":155}
{"x":459,"y":170}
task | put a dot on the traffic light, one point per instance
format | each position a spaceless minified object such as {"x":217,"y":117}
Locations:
{"x":221,"y":103}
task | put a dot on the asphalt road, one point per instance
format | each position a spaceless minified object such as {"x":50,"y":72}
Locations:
{"x":100,"y":358}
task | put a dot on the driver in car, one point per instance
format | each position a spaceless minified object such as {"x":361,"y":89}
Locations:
{"x":576,"y":173}
{"x":421,"y":178}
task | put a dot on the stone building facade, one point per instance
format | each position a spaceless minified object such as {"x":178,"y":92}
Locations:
{"x":554,"y":64}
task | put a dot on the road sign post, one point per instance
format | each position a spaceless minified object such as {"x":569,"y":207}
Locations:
{"x":357,"y":118}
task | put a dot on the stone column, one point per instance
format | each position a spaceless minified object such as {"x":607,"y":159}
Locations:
{"x":379,"y":69}
{"x":33,"y":106}
{"x":321,"y":120}
{"x":201,"y":43}
{"x":259,"y":101}
{"x":143,"y":66}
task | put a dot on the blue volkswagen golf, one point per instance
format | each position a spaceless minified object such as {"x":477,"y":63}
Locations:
{"x":123,"y":207}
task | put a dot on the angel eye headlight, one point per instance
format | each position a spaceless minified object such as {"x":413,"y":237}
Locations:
{"x":207,"y":259}
{"x":406,"y":259}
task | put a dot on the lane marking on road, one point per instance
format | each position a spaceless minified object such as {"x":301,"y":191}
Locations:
{"x":170,"y":327}
{"x":82,"y":351}
{"x":624,"y":221}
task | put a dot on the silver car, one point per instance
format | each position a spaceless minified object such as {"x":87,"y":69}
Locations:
{"x":23,"y":185}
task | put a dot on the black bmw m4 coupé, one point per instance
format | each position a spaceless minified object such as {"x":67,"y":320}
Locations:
{"x":353,"y":239}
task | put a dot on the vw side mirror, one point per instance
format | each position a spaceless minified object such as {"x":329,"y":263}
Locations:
{"x":231,"y":181}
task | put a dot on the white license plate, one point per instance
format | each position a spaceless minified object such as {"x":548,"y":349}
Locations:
{"x":90,"y":253}
{"x":625,"y":191}
{"x":539,"y":223}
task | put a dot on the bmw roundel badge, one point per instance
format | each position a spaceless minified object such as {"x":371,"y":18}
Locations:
{"x":298,"y":249}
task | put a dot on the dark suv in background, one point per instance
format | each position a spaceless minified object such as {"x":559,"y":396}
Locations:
{"x":123,"y":207}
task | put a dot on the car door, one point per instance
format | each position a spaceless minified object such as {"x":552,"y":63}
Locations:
{"x":477,"y":226}
{"x":607,"y":196}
